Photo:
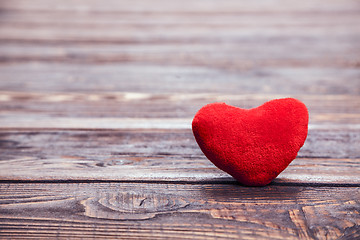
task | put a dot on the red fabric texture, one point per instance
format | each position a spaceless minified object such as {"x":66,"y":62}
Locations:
{"x":252,"y":145}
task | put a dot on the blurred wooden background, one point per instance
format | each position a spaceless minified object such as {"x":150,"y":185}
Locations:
{"x":96,"y":103}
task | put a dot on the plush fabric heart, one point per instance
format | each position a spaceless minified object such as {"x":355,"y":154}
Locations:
{"x":253,"y":145}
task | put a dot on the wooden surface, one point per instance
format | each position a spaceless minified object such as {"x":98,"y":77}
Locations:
{"x":96,"y":103}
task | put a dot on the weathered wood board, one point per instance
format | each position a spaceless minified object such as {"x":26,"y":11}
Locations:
{"x":171,"y":155}
{"x":186,"y":211}
{"x":96,"y":103}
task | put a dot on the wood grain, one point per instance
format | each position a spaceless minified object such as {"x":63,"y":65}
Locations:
{"x":204,"y":211}
{"x":135,"y":155}
{"x":232,"y":47}
{"x":159,"y":79}
{"x":24,"y":106}
{"x":212,"y":6}
{"x":96,"y":102}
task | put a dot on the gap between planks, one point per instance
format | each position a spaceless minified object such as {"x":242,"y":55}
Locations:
{"x":276,"y":182}
{"x":298,"y":211}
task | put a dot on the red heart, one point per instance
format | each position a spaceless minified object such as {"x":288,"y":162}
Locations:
{"x":252,"y":145}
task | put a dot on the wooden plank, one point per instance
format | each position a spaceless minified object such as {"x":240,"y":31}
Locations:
{"x":181,"y":211}
{"x":206,"y":53}
{"x":169,"y":18}
{"x":328,"y":156}
{"x":159,"y":79}
{"x":23,"y":121}
{"x":177,"y":33}
{"x":28,"y":106}
{"x":190,"y":6}
{"x":169,"y":34}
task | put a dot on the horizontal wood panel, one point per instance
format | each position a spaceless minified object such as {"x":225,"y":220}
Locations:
{"x":243,"y":55}
{"x":159,"y":79}
{"x":164,"y":155}
{"x":21,"y":121}
{"x":169,"y":18}
{"x":24,"y":108}
{"x":169,"y":34}
{"x":202,"y":211}
{"x":155,"y":6}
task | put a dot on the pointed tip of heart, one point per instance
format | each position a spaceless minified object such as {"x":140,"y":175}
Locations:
{"x":253,"y":145}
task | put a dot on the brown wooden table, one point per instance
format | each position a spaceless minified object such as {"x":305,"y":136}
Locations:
{"x":96,"y":103}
